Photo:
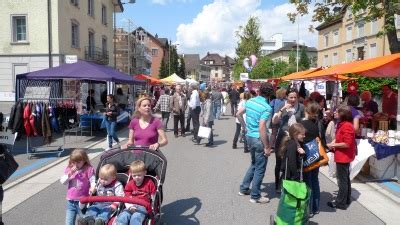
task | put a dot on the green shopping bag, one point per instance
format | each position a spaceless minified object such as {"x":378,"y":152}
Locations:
{"x":293,"y":205}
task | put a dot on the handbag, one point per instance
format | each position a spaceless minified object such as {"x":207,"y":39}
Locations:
{"x":8,"y":165}
{"x":312,"y":152}
{"x":323,"y":157}
{"x":204,"y":132}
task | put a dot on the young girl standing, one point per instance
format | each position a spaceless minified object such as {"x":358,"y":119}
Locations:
{"x":80,"y":177}
{"x":290,"y":152}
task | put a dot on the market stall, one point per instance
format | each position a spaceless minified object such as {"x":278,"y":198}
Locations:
{"x":46,"y":87}
{"x":173,"y":79}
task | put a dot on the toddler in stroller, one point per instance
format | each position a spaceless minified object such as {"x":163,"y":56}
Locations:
{"x":100,"y":212}
{"x":145,"y":199}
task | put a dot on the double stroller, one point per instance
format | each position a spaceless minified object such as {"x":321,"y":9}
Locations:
{"x":156,"y":165}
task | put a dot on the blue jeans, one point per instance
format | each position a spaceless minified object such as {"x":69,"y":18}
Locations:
{"x":311,"y":179}
{"x":99,"y":211}
{"x":255,"y":173}
{"x":110,"y":125}
{"x":72,"y":210}
{"x":217,"y":111}
{"x":136,"y":218}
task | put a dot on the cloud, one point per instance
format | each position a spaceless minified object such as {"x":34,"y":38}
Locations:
{"x":213,"y":29}
{"x":164,"y":2}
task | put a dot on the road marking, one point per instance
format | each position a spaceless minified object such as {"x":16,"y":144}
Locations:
{"x":31,"y":167}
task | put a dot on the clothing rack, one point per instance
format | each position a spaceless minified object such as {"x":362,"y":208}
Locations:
{"x":32,"y":151}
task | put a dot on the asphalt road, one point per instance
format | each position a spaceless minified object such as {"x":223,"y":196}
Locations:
{"x":200,"y":188}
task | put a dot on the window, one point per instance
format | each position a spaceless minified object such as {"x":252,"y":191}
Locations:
{"x":104,"y":14}
{"x":349,"y":33}
{"x":216,"y":75}
{"x":335,"y":58}
{"x":360,"y":30}
{"x":154,"y":52}
{"x":374,"y":27}
{"x":349,"y":55}
{"x":397,"y":21}
{"x":360,"y":53}
{"x":211,"y":62}
{"x":90,"y":7}
{"x":325,"y":62}
{"x":19,"y":29}
{"x":336,"y":37}
{"x":326,"y":40}
{"x":91,"y":43}
{"x":372,"y":50}
{"x":104,"y":45}
{"x":75,"y":2}
{"x":74,"y":35}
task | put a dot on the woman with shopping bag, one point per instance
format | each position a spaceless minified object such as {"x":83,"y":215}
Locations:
{"x":207,"y":121}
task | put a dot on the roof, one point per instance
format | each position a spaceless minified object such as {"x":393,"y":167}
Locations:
{"x":229,"y":60}
{"x":157,"y":40}
{"x":163,"y":41}
{"x":192,"y":61}
{"x":293,"y":46}
{"x":218,"y":60}
{"x":338,"y":18}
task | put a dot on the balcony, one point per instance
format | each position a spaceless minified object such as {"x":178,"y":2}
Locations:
{"x":96,"y":55}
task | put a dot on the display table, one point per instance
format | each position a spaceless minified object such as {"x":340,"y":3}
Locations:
{"x":383,"y":160}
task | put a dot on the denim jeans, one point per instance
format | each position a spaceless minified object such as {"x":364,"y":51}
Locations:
{"x":110,"y":125}
{"x":136,"y":218}
{"x":217,"y":111}
{"x":165,"y":119}
{"x":311,"y":179}
{"x":255,"y":173}
{"x":72,"y":210}
{"x":99,"y":211}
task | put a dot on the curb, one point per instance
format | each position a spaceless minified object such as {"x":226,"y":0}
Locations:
{"x":35,"y":173}
{"x":363,"y":180}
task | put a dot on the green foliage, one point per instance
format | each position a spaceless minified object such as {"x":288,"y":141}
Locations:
{"x":250,"y":42}
{"x":304,"y":61}
{"x":163,"y":69}
{"x":264,"y":69}
{"x":174,"y":61}
{"x":181,"y":73}
{"x":374,"y":85}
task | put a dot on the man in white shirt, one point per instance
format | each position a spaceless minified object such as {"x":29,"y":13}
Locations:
{"x":194,"y":104}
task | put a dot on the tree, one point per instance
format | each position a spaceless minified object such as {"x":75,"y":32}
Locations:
{"x":163,"y":69}
{"x":182,"y":73}
{"x":326,"y":11}
{"x":264,"y":69}
{"x":304,"y":62}
{"x":250,"y":42}
{"x":174,"y":60}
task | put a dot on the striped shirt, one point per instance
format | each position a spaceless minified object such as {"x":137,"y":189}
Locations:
{"x":256,"y":109}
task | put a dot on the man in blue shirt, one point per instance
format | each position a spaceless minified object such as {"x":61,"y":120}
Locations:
{"x":258,"y":111}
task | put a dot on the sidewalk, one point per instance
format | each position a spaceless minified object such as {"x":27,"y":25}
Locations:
{"x":25,"y":187}
{"x":373,"y":197}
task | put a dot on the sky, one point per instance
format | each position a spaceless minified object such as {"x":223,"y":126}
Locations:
{"x":201,"y":26}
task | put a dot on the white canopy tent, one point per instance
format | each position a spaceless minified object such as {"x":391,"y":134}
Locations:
{"x":174,"y":79}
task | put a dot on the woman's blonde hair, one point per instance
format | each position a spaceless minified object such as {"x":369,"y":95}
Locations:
{"x":281,"y":93}
{"x":78,"y":155}
{"x":312,"y":110}
{"x":137,"y":166}
{"x":138,"y":103}
{"x":294,"y":130}
{"x":107,"y":171}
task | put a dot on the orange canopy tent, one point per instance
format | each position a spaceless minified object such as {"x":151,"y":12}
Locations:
{"x":385,"y":66}
{"x":308,"y":75}
{"x":152,"y":80}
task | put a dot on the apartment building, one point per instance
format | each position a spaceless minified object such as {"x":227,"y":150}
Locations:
{"x":273,"y":43}
{"x":39,"y":34}
{"x":345,"y":39}
{"x":124,"y":50}
{"x":221,"y":67}
{"x":283,"y":53}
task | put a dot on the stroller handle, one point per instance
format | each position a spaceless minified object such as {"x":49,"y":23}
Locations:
{"x":133,"y":147}
{"x":130,"y":200}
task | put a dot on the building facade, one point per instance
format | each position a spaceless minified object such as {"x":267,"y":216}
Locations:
{"x":347,"y":39}
{"x":142,"y":55}
{"x":32,"y":31}
{"x":220,"y":67}
{"x":124,"y":50}
{"x":283,"y":53}
{"x":274,"y":43}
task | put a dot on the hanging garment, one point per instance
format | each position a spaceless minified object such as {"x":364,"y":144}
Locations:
{"x":32,"y":119}
{"x":46,"y":128}
{"x":53,"y":119}
{"x":27,"y":115}
{"x":17,"y":125}
{"x":38,"y":120}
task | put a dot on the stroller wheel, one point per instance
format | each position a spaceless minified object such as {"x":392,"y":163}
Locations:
{"x":272,"y":220}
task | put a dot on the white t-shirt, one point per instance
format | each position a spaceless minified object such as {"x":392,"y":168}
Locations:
{"x":241,"y":105}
